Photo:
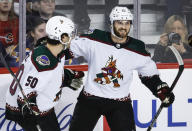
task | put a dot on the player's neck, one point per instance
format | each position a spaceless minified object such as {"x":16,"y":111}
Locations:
{"x":118,"y":40}
{"x":55,"y":49}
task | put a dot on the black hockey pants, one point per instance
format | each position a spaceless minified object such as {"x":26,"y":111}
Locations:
{"x":119,"y":114}
{"x":46,"y":123}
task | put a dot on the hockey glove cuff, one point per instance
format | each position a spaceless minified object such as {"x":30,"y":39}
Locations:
{"x":164,"y":94}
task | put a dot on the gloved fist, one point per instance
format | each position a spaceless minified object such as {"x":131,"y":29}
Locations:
{"x":31,"y":111}
{"x":72,"y":79}
{"x":76,"y":83}
{"x":164,"y":94}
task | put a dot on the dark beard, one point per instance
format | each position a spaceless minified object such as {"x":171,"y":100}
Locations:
{"x":118,"y":34}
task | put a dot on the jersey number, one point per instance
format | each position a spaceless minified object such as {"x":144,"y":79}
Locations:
{"x":31,"y":81}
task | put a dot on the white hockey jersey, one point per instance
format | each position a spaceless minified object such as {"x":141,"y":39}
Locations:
{"x":40,"y":74}
{"x":110,"y":65}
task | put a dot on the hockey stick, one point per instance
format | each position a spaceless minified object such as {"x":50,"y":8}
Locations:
{"x":17,"y":81}
{"x":20,"y":87}
{"x":181,"y":68}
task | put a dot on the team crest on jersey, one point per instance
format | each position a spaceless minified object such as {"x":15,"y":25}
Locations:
{"x":110,"y":74}
{"x":43,"y":60}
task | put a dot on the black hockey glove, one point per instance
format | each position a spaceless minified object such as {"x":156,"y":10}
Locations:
{"x":164,"y":94}
{"x":72,"y":79}
{"x":31,"y":110}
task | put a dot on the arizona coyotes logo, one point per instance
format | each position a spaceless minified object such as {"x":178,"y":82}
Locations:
{"x":109,"y":74}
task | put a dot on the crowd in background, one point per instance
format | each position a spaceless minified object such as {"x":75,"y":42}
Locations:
{"x":177,"y":19}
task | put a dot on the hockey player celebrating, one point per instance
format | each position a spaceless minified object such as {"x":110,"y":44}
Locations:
{"x":40,"y":77}
{"x":112,"y":57}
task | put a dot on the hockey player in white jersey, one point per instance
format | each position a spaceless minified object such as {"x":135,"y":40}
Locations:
{"x":41,"y":77}
{"x":112,"y":57}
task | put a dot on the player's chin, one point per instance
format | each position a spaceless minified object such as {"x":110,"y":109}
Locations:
{"x":123,"y":35}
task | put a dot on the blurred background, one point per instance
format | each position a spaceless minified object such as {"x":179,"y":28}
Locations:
{"x":22,"y":24}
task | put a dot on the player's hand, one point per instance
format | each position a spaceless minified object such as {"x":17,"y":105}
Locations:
{"x":30,"y":110}
{"x":164,"y":94}
{"x":72,"y":79}
{"x":76,"y":83}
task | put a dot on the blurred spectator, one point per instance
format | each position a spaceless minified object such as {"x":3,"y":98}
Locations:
{"x":32,"y":7}
{"x":28,"y":6}
{"x":35,"y":31}
{"x":187,"y":10}
{"x":43,"y":9}
{"x":9,"y":30}
{"x":162,"y":53}
{"x":181,"y":8}
{"x":46,"y":10}
{"x":35,"y":6}
{"x":81,"y":17}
